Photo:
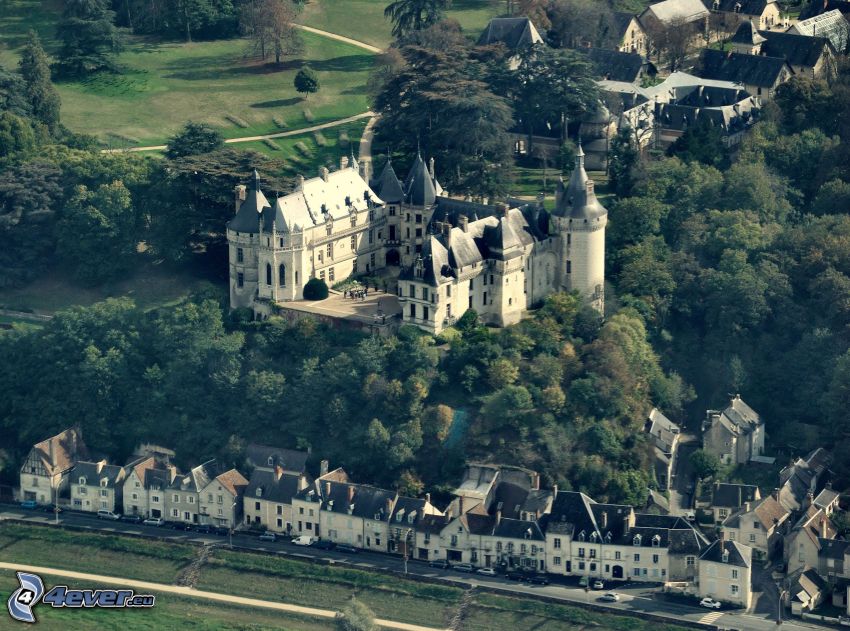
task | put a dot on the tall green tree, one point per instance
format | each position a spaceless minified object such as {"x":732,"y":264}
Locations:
{"x":88,"y":36}
{"x":414,"y":15}
{"x":306,"y":82}
{"x":194,"y":139}
{"x":40,"y":93}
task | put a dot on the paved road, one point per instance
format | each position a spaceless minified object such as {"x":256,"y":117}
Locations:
{"x":145,"y":586}
{"x":682,"y":488}
{"x":340,"y":38}
{"x":636,"y":598}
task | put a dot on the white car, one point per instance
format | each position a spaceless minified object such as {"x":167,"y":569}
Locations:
{"x":487,"y":571}
{"x":154,"y":521}
{"x":305,"y":540}
{"x":709,"y":603}
{"x":610,"y":597}
{"x":598,"y":584}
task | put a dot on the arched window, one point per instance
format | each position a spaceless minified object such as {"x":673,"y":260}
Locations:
{"x":268,"y":274}
{"x":282,"y":274}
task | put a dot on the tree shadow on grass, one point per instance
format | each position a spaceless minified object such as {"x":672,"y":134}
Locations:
{"x":358,"y":89}
{"x":209,"y":68}
{"x":277,"y":103}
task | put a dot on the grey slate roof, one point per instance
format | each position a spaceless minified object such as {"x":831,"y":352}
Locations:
{"x":747,"y":7}
{"x":614,"y":65}
{"x":88,"y":470}
{"x":732,"y":495}
{"x":797,"y":50}
{"x":368,"y":502}
{"x":739,"y":555}
{"x":747,"y":34}
{"x":518,"y":529}
{"x":287,"y":459}
{"x":271,"y":488}
{"x":408,"y":511}
{"x":807,"y":584}
{"x":247,"y":219}
{"x":157,"y":479}
{"x":833,"y":548}
{"x":757,"y":70}
{"x":514,"y":33}
{"x":419,"y":185}
{"x":574,"y":200}
{"x":387,"y":186}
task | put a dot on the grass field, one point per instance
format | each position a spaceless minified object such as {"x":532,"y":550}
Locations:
{"x":371,"y":27}
{"x":161,"y":85}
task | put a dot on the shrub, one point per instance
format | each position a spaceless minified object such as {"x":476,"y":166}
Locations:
{"x":315,"y":289}
{"x":302,"y":148}
{"x":320,"y":139}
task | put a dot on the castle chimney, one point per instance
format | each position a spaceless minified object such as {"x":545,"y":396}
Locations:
{"x":427,"y":498}
{"x":240,"y":192}
{"x":350,"y":493}
{"x":300,"y":182}
{"x":463,"y":222}
{"x":328,"y":489}
{"x":278,"y":471}
{"x":555,"y":490}
{"x":501,"y":209}
{"x":343,"y":163}
{"x":388,"y":505}
{"x":431,"y":167}
{"x":323,"y":468}
{"x":324,"y":173}
{"x":604,"y":521}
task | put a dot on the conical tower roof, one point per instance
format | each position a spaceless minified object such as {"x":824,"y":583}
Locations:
{"x":388,"y":186}
{"x":419,"y":185}
{"x":747,"y":35}
{"x":247,"y":219}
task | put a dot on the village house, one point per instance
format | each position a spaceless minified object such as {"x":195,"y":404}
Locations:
{"x":834,"y":559}
{"x":307,"y":504}
{"x":608,"y":541}
{"x":730,"y":498}
{"x":517,"y":34}
{"x":808,"y":56}
{"x":735,"y":435}
{"x":827,"y":499}
{"x":629,"y":34}
{"x":805,"y":540}
{"x":765,"y":14}
{"x":135,"y":497}
{"x":758,"y":74}
{"x":355,"y":514}
{"x":267,"y":501}
{"x":266,"y":458}
{"x":615,"y":65}
{"x":665,"y":436}
{"x":98,"y":486}
{"x":409,"y":514}
{"x":45,"y":473}
{"x":221,"y":499}
{"x":760,"y":525}
{"x":725,"y":572}
{"x":801,"y":479}
{"x":807,"y":590}
{"x":182,"y":497}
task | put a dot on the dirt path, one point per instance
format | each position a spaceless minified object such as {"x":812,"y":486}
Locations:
{"x":305,"y":130}
{"x":193,"y":593}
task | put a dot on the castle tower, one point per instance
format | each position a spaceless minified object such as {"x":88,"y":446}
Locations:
{"x":243,"y":238}
{"x":420,"y":195}
{"x":580,"y":221}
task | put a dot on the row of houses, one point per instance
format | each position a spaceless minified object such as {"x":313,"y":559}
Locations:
{"x":498,"y":516}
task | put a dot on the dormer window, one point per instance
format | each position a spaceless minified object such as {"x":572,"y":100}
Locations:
{"x":636,"y":540}
{"x":608,"y":537}
{"x":82,"y":481}
{"x":377,"y":516}
{"x":582,"y":536}
{"x":593,"y":537}
{"x":399,"y":516}
{"x":259,"y":491}
{"x":411,"y":518}
{"x":656,"y":541}
{"x":104,"y":482}
{"x":271,"y":461}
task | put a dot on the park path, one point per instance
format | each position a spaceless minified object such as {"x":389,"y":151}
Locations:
{"x":193,"y":593}
{"x":295,"y":132}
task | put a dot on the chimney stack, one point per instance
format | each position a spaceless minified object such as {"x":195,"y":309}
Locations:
{"x":460,"y":505}
{"x":808,"y":501}
{"x":775,"y":494}
{"x":388,"y":506}
{"x":278,"y":471}
{"x":463,"y":223}
{"x":555,"y":490}
{"x":498,"y":516}
{"x":300,"y":186}
{"x":501,"y":209}
{"x":343,"y":163}
{"x":604,"y":520}
{"x":327,"y":489}
{"x":240,"y":192}
{"x":350,"y":493}
{"x":427,"y":498}
{"x":431,"y":167}
{"x":323,"y":468}
{"x":823,"y":526}
{"x":100,"y":465}
{"x":324,"y":173}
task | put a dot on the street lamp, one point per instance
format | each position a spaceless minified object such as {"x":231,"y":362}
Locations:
{"x":55,"y":488}
{"x":230,"y":528}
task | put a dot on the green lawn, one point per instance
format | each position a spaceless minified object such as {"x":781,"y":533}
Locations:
{"x":364,"y":20}
{"x":169,"y":612}
{"x":151,"y":285}
{"x":161,"y":85}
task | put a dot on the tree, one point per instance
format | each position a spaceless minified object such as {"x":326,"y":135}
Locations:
{"x":622,"y":162}
{"x":43,"y":98}
{"x":306,"y":81}
{"x":705,"y":465}
{"x":832,"y":198}
{"x":315,"y":289}
{"x":702,"y":142}
{"x":413,"y":15}
{"x":16,"y":135}
{"x":576,"y":23}
{"x":96,"y":236}
{"x":193,"y":139}
{"x":356,"y":616}
{"x":89,"y":38}
{"x":269,"y":24}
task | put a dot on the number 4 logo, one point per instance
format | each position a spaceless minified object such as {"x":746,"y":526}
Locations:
{"x":27,"y":596}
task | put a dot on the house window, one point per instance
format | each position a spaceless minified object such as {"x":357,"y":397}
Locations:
{"x":322,"y":275}
{"x":268,"y":274}
{"x":256,"y":506}
{"x":372,"y":260}
{"x":282,"y":275}
{"x":637,"y":558}
{"x":240,"y":279}
{"x":155,"y":499}
{"x":353,"y":220}
{"x":331,"y":274}
{"x":240,"y":255}
{"x":220,"y":499}
{"x":353,"y":242}
{"x":418,"y":218}
{"x":175,"y":512}
{"x":556,"y":560}
{"x":617,"y":555}
{"x":176,"y":498}
{"x":734,"y":573}
{"x":135,"y":496}
{"x":454,"y":541}
{"x":581,"y":565}
{"x":371,"y":215}
{"x":424,"y":293}
{"x":593,"y":553}
{"x":330,"y":250}
{"x":104,"y":493}
{"x":418,"y":233}
{"x":413,"y":312}
{"x":557,"y":543}
{"x":752,"y":538}
{"x":448,"y":291}
{"x":424,"y":313}
{"x":655,"y":558}
{"x":733,"y":589}
{"x":569,"y":267}
{"x":371,"y":236}
{"x":690,"y":561}
{"x":392,"y":211}
{"x":581,"y":553}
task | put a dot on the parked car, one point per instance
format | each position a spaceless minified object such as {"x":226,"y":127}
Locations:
{"x":305,"y":540}
{"x":204,"y":529}
{"x":584,"y":581}
{"x":709,"y":603}
{"x":610,"y":597}
{"x":324,"y":544}
{"x":463,"y":567}
{"x":132,"y":519}
{"x":53,"y":509}
{"x":108,"y":514}
{"x":268,"y":536}
{"x":442,"y":564}
{"x":691,"y":515}
{"x":514,"y":575}
{"x":344,"y":547}
{"x":179,"y":525}
{"x":221,"y":530}
{"x":487,"y":571}
{"x":598,"y":584}
{"x":29,"y":504}
{"x":154,"y":521}
{"x":537,"y":579}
